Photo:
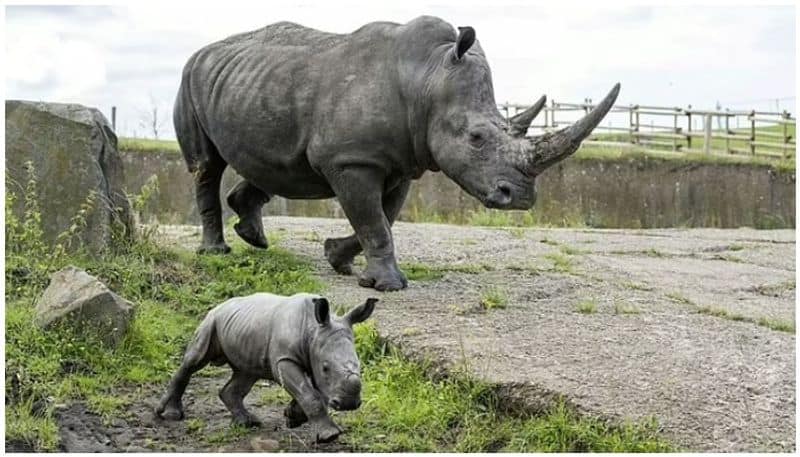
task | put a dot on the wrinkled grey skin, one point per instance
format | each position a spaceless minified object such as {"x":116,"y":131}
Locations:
{"x":291,"y":340}
{"x":306,"y":114}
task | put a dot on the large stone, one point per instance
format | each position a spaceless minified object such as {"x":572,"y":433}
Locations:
{"x":73,"y":150}
{"x":76,"y":298}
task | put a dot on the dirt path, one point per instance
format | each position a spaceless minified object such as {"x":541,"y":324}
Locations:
{"x":683,"y":327}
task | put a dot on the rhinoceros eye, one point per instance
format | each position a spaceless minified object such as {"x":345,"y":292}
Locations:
{"x":325,"y":368}
{"x":476,"y":139}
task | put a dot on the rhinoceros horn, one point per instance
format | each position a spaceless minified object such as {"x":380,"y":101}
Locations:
{"x":545,"y":150}
{"x":520,"y":122}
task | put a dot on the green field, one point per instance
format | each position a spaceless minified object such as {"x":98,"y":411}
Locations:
{"x":590,"y":152}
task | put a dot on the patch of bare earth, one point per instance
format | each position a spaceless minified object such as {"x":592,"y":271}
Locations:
{"x":674,"y":335}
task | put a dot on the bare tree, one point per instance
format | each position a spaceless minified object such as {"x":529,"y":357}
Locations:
{"x":149,"y":120}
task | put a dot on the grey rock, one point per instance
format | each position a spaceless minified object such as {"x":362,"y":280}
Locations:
{"x":74,"y":152}
{"x":76,"y":298}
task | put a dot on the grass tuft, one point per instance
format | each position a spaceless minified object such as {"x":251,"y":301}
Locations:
{"x":494,"y":298}
{"x":586,"y":307}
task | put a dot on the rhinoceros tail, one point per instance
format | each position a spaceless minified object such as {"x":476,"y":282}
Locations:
{"x":203,"y":348}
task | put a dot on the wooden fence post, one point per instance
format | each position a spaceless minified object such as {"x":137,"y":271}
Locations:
{"x":785,"y":116}
{"x":727,"y":132}
{"x":753,"y":132}
{"x":689,"y":127}
{"x":114,"y":118}
{"x":707,"y":133}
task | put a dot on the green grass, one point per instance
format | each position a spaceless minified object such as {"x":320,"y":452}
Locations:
{"x":494,"y":298}
{"x":148,"y":145}
{"x":561,"y":262}
{"x":586,"y":307}
{"x":422,"y":272}
{"x":679,"y":298}
{"x":622,"y":308}
{"x":614,"y":154}
{"x":637,"y":286}
{"x":779,"y":325}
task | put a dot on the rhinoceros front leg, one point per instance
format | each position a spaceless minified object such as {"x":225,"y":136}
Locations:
{"x":310,"y":400}
{"x":340,"y":252}
{"x":360,"y":193}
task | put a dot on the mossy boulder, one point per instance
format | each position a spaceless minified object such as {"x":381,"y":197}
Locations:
{"x":73,"y":151}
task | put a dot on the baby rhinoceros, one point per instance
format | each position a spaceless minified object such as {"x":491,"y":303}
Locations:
{"x":291,"y":340}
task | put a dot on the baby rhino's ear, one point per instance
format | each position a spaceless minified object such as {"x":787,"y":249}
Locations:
{"x":322,"y":310}
{"x":362,"y":312}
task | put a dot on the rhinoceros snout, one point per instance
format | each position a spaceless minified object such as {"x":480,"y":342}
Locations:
{"x":507,"y":196}
{"x":344,"y":404}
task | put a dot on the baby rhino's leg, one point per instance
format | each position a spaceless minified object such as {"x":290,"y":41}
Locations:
{"x":200,"y":352}
{"x":233,"y":396}
{"x":295,"y":416}
{"x":171,"y":407}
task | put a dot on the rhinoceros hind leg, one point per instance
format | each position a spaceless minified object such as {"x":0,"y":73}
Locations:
{"x":247,"y":200}
{"x":295,"y":416}
{"x":340,"y":253}
{"x":233,"y":393}
{"x":171,"y":407}
{"x":203,"y":349}
{"x":207,"y":180}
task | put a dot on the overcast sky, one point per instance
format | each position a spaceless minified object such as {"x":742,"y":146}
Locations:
{"x":131,"y":56}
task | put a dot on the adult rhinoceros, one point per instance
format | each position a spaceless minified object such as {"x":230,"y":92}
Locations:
{"x":306,"y":114}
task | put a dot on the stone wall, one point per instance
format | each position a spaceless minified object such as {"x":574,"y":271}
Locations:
{"x":632,"y":193}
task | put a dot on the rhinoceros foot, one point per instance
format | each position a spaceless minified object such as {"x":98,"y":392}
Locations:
{"x":383,"y":276}
{"x":294,"y":414}
{"x":252,"y":231}
{"x":170,"y":412}
{"x":338,"y":255}
{"x":219,"y":248}
{"x":327,"y":431}
{"x":246,"y":419}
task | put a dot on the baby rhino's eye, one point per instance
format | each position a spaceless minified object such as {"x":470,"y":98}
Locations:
{"x":325,"y":368}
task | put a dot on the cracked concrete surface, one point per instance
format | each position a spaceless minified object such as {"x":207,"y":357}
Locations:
{"x":714,"y":382}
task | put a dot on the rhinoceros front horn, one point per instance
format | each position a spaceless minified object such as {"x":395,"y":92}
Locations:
{"x":547,"y":149}
{"x":519,"y":123}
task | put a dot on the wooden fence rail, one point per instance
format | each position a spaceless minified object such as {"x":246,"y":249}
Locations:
{"x":675,"y":129}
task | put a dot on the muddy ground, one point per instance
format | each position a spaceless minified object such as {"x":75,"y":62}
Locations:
{"x":681,"y":324}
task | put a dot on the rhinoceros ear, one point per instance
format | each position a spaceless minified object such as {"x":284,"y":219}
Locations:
{"x":322,"y":310}
{"x":361,"y":312}
{"x":466,"y":38}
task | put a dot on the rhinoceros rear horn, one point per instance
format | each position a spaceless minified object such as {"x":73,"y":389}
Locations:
{"x":520,"y":122}
{"x":466,"y":38}
{"x":547,"y":149}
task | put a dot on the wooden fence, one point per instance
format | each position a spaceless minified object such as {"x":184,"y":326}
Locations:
{"x":675,"y":129}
